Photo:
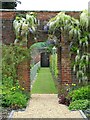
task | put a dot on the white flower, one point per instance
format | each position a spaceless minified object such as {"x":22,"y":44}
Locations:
{"x":16,"y":41}
{"x":77,"y":51}
{"x":51,"y":24}
{"x":80,"y":42}
{"x":83,"y":56}
{"x":85,"y":78}
{"x":87,"y":58}
{"x":24,"y":26}
{"x":86,"y":43}
{"x":77,"y":58}
{"x":74,"y":68}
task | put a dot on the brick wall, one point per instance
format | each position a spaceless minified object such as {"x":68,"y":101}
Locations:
{"x":65,"y":62}
{"x":23,"y":71}
{"x":48,"y":15}
{"x":8,"y":35}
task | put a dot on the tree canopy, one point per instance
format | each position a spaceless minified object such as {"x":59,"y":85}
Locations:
{"x":9,"y":4}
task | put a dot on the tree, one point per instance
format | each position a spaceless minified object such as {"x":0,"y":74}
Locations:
{"x":11,"y":4}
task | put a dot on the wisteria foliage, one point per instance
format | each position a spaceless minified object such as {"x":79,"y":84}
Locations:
{"x":78,"y":36}
{"x":22,"y":26}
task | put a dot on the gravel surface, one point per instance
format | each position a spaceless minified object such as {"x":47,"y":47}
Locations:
{"x":4,"y":113}
{"x":46,"y":106}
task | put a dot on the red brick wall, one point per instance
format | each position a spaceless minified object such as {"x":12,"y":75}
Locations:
{"x":65,"y":62}
{"x":23,"y":72}
{"x":8,"y":36}
{"x":48,"y":15}
{"x":45,"y":15}
{"x":7,"y":15}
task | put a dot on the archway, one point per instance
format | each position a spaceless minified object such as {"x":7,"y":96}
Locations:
{"x":41,"y":34}
{"x":64,"y":74}
{"x":40,"y":77}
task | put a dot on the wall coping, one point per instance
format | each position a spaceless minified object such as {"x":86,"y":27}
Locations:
{"x":14,"y":10}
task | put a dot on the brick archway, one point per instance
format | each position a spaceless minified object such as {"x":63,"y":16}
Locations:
{"x":64,"y":65}
{"x":64,"y":74}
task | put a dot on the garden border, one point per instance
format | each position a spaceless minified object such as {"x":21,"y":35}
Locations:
{"x":10,"y":115}
{"x":83,"y":115}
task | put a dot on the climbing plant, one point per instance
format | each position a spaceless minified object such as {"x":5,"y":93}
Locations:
{"x":11,"y":57}
{"x":23,"y":24}
{"x":13,"y":95}
{"x":76,"y":34}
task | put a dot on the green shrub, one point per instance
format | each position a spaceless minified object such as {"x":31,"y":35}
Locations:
{"x":81,"y":93}
{"x":80,"y":98}
{"x":13,"y":95}
{"x":79,"y":105}
{"x":15,"y":99}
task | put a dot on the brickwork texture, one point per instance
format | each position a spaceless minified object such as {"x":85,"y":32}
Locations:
{"x":8,"y":36}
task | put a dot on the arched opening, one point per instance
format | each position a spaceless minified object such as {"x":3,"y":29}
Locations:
{"x":63,"y":72}
{"x":41,"y":82}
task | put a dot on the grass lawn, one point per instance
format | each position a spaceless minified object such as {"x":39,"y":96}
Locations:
{"x":44,"y":83}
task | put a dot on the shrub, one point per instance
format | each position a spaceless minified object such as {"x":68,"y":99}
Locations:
{"x":64,"y":100}
{"x":81,"y":93}
{"x":13,"y":95}
{"x":80,"y":98}
{"x":79,"y":105}
{"x":14,"y":100}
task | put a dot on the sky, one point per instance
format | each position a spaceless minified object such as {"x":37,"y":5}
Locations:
{"x":53,"y":5}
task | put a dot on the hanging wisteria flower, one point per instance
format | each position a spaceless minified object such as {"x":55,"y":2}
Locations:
{"x":22,"y":26}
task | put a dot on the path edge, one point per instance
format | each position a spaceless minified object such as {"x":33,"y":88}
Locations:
{"x":83,"y":115}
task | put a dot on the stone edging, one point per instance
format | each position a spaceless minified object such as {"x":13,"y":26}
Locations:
{"x":10,"y":115}
{"x":15,"y":10}
{"x":12,"y":112}
{"x":83,"y":115}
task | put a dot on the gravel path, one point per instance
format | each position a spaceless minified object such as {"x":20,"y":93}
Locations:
{"x":46,"y":106}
